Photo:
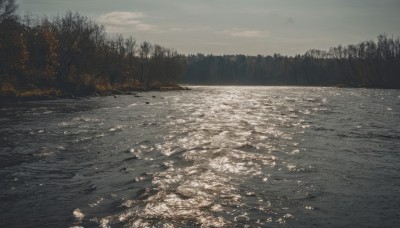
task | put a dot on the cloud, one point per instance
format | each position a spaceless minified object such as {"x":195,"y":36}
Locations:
{"x":189,"y":29}
{"x":145,"y":27}
{"x":119,"y":20}
{"x":236,"y":32}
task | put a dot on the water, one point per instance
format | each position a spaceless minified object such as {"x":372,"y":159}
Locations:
{"x":213,"y":156}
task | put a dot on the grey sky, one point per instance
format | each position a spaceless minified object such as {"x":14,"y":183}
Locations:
{"x":237,"y":26}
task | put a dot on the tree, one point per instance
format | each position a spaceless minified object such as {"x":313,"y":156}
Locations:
{"x":130,"y":48}
{"x":13,"y":50}
{"x":144,"y":51}
{"x":7,"y":10}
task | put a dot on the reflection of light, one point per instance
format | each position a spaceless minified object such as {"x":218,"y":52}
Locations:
{"x":216,"y":136}
{"x":78,"y":214}
{"x":214,"y":146}
{"x":195,"y":193}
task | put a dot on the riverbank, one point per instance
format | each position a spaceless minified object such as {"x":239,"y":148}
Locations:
{"x":103,"y":90}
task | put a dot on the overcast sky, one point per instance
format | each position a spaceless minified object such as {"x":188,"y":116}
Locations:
{"x":247,"y":27}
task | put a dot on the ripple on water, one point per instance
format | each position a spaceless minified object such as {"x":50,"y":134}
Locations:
{"x":214,"y":157}
{"x":221,"y":150}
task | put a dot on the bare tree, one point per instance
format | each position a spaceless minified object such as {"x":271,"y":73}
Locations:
{"x":7,"y":10}
{"x":145,"y":49}
{"x":144,"y":52}
{"x":130,"y":46}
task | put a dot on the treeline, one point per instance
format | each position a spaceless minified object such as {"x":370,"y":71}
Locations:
{"x":74,"y":55}
{"x":368,"y":64}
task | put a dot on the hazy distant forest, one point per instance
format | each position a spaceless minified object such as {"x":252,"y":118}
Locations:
{"x":74,"y":55}
{"x":367,"y":64}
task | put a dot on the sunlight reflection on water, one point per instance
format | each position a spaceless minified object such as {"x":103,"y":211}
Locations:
{"x":224,"y":140}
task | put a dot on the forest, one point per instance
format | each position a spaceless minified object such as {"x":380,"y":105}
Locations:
{"x":374,"y":64}
{"x":73,"y":55}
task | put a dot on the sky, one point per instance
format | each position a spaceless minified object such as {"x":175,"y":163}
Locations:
{"x":248,"y":27}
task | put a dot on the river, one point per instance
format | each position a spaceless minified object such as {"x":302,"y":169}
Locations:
{"x":210,"y":157}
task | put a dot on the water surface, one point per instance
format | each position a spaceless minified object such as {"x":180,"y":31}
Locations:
{"x":213,"y":156}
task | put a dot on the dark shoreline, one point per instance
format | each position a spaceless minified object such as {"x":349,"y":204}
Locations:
{"x":133,"y":92}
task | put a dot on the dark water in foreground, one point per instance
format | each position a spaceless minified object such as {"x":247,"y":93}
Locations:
{"x":213,"y":156}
